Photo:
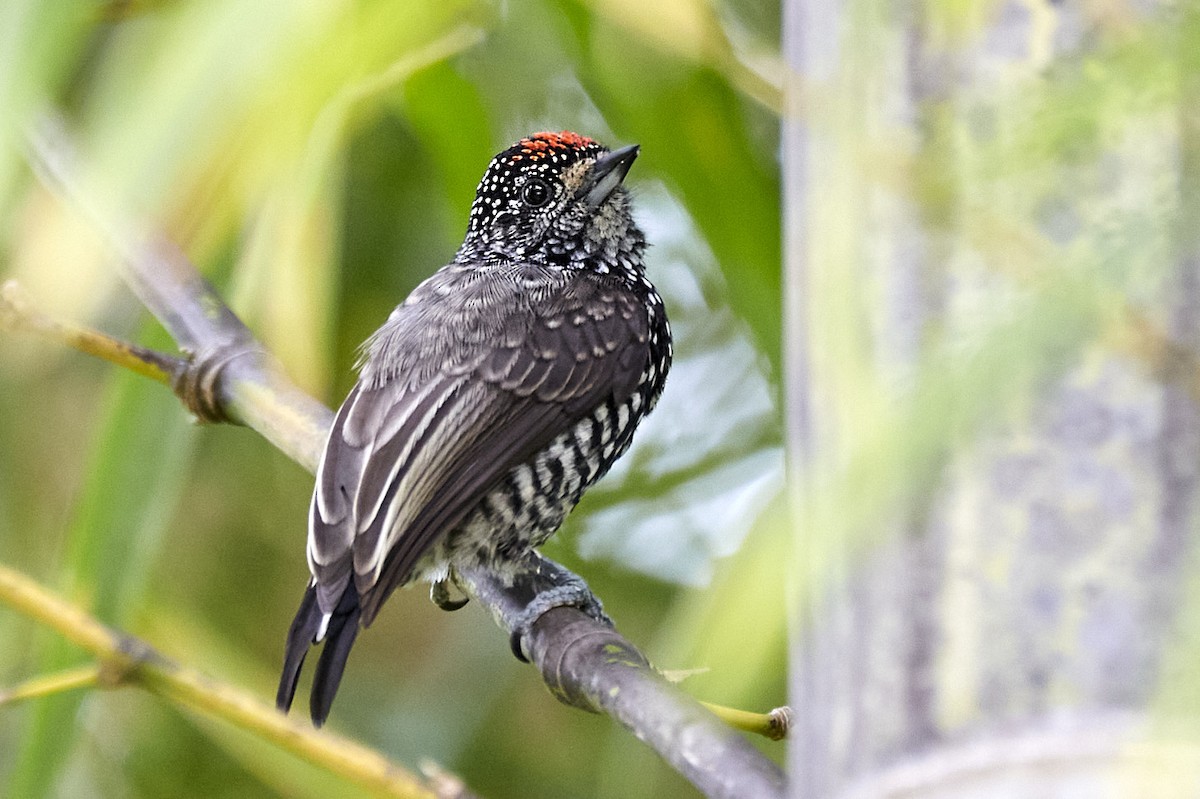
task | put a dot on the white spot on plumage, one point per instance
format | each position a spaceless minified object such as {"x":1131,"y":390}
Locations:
{"x":324,"y":626}
{"x":583,"y":435}
{"x":543,"y":465}
{"x":524,"y":480}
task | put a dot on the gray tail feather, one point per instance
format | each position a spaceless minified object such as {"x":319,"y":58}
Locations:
{"x":339,"y":638}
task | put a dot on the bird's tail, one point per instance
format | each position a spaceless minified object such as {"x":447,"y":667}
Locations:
{"x":338,"y":630}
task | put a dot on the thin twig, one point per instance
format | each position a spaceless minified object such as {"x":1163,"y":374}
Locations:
{"x":18,"y":313}
{"x":126,"y":660}
{"x":50,"y":684}
{"x":774,"y":725}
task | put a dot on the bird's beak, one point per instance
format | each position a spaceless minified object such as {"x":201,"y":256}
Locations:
{"x":607,"y":173}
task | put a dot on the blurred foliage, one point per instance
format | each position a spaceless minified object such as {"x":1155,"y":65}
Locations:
{"x":317,"y":160}
{"x":1000,"y":205}
{"x":1049,"y":204}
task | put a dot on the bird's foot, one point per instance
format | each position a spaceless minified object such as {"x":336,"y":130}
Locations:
{"x":567,"y":590}
{"x":440,"y":593}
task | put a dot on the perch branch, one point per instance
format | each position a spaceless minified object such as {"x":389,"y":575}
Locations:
{"x":591,"y":666}
{"x":231,"y":377}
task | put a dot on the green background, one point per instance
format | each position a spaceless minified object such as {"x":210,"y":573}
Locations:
{"x":317,"y":160}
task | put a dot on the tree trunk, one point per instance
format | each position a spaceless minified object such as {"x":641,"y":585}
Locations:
{"x":1008,"y":615}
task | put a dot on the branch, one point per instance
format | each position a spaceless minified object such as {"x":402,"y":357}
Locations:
{"x":59,"y":682}
{"x":230,"y":377}
{"x":124,"y":660}
{"x":18,"y":313}
{"x":591,"y":666}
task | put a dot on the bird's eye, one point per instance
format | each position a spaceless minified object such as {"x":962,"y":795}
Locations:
{"x":535,"y":193}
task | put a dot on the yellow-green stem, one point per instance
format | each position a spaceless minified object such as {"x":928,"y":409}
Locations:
{"x":773,"y":725}
{"x":17,"y":313}
{"x":49,"y":684}
{"x":127,"y":660}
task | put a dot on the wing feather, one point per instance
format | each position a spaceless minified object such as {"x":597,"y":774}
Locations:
{"x":463,"y":488}
{"x":559,"y":371}
{"x":470,"y":378}
{"x":398,"y":446}
{"x":523,"y":368}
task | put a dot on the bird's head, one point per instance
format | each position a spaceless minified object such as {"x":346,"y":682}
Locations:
{"x":556,"y":199}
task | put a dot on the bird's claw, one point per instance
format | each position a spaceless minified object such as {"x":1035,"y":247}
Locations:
{"x":439,"y":594}
{"x":573,"y":593}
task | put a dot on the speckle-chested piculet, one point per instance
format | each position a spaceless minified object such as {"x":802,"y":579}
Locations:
{"x":503,"y":387}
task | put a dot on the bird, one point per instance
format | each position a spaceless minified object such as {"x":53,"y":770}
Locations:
{"x":504,"y":386}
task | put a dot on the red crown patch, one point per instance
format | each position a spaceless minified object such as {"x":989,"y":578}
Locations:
{"x":541,"y":145}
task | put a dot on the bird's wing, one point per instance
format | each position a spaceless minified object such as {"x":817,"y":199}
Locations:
{"x":473,"y":376}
